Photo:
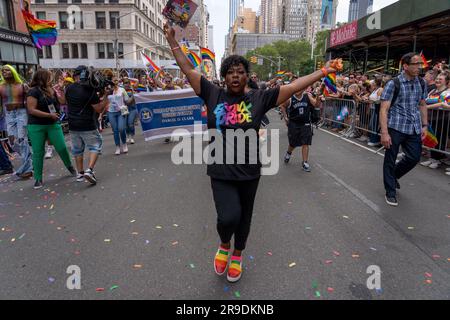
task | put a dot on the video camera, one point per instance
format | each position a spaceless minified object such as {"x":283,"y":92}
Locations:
{"x":95,"y":79}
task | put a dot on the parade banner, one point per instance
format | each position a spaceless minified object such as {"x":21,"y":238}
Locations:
{"x":162,"y":112}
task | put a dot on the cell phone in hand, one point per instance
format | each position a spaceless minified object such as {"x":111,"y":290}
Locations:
{"x":62,"y":116}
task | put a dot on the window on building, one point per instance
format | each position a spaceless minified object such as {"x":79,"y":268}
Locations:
{"x":39,"y":1}
{"x":62,"y":1}
{"x":48,"y":52}
{"x":99,"y":1}
{"x":113,"y":15}
{"x":84,"y":51}
{"x":76,"y":1}
{"x":100,"y":19}
{"x":74,"y":47}
{"x":65,"y":51}
{"x":121,"y":50}
{"x":113,"y":1}
{"x":77,"y":22}
{"x":63,"y":16}
{"x":110,"y":50}
{"x":41,"y":15}
{"x":100,"y":51}
{"x":40,"y":53}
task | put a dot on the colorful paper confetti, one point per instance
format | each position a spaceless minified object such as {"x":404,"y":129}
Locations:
{"x":293,"y":264}
{"x":237,"y":294}
{"x":113,"y":288}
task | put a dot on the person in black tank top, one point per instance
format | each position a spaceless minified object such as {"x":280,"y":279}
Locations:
{"x":297,"y":113}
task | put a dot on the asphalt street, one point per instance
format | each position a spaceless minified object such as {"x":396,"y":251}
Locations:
{"x":147,"y":230}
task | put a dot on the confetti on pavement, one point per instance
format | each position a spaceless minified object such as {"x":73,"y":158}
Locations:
{"x":269,"y":253}
{"x":174,"y":243}
{"x":317,"y":293}
{"x":336,"y":253}
{"x":51,"y":279}
{"x":192,"y":266}
{"x":158,"y":227}
{"x":21,"y":236}
{"x":113,"y":288}
{"x":237,"y":294}
{"x":137,"y":266}
{"x":410,"y":228}
{"x":293,"y":264}
{"x":226,"y":289}
{"x":100,"y":289}
{"x":107,"y":240}
{"x":330,"y":290}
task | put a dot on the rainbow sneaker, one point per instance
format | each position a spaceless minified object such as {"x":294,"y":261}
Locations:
{"x":235,"y":269}
{"x":221,"y":260}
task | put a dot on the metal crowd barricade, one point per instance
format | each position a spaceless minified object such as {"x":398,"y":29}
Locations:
{"x":366,"y":118}
{"x":338,"y":114}
{"x":439,"y":120}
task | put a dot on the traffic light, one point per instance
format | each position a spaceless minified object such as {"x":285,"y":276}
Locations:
{"x":320,"y":64}
{"x":254,"y":59}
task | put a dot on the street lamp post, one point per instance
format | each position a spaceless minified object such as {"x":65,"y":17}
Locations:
{"x":116,"y":40}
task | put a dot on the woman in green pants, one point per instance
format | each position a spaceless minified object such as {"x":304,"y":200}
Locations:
{"x":43,"y":123}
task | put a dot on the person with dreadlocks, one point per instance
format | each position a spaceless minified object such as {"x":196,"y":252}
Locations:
{"x":13,"y":95}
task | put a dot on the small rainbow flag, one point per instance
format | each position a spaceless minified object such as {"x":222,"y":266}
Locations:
{"x":42,"y":32}
{"x":207,"y":54}
{"x":330,"y":82}
{"x":424,"y":60}
{"x":430,"y":140}
{"x":149,"y":63}
{"x":195,"y":59}
{"x":205,"y":69}
{"x":280,"y":73}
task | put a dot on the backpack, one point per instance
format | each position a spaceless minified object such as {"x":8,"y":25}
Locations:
{"x":397,"y":89}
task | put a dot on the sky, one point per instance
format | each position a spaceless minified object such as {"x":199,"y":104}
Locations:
{"x":218,"y":10}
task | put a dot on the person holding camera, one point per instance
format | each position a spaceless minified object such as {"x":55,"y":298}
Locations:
{"x":44,"y":123}
{"x":83,"y":105}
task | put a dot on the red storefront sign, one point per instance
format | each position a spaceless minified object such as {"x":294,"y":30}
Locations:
{"x":344,"y":34}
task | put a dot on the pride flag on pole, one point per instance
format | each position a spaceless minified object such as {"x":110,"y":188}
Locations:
{"x":195,"y":59}
{"x":149,"y":63}
{"x":207,"y":54}
{"x":42,"y":32}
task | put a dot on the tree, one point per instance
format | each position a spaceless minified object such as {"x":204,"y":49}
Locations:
{"x":296,"y":58}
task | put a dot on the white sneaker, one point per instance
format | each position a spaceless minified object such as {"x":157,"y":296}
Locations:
{"x":49,"y":153}
{"x":362,"y":139}
{"x":80,"y":177}
{"x":128,"y":140}
{"x":132,"y":141}
{"x":117,"y":153}
{"x":434,"y":164}
{"x":125,"y":148}
{"x":448,"y":173}
{"x":426,"y":163}
{"x":448,"y":169}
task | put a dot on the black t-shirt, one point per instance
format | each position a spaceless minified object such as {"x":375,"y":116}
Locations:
{"x":42,"y":105}
{"x":226,"y":111}
{"x":79,"y":99}
{"x":300,"y":110}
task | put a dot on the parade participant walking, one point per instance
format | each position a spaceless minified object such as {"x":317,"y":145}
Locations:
{"x":43,"y":123}
{"x":13,"y":95}
{"x":234,"y":185}
{"x":132,"y":111}
{"x":403,"y":119}
{"x":83,"y":105}
{"x":5,"y":164}
{"x":298,"y":113}
{"x":117,"y":112}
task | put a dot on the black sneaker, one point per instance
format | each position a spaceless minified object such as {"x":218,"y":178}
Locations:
{"x":287,"y":157}
{"x":72,"y":171}
{"x":90,"y":177}
{"x":38,"y":184}
{"x":306,"y":167}
{"x":392,"y":201}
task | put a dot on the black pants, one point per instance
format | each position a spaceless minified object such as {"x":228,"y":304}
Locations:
{"x":234,"y":204}
{"x":412,"y":147}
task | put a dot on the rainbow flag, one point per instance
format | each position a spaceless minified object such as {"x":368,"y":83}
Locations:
{"x":330,"y":82}
{"x":195,"y":59}
{"x":280,"y":73}
{"x":430,"y":140}
{"x":149,"y":63}
{"x":42,"y":32}
{"x":205,"y":69}
{"x":207,"y":54}
{"x":424,"y":60}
